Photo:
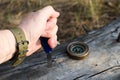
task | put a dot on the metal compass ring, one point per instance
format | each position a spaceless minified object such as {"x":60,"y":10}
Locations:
{"x":77,"y":50}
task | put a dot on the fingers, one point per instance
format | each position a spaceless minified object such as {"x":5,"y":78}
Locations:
{"x":51,"y":23}
{"x":48,"y":12}
{"x":50,"y":32}
{"x":53,"y":41}
{"x":50,"y":15}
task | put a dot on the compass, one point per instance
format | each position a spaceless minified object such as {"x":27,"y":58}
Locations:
{"x":77,"y":50}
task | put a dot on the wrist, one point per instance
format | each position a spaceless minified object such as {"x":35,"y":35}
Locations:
{"x":7,"y":45}
{"x":27,"y":36}
{"x":25,"y":33}
{"x":10,"y":41}
{"x":22,"y":45}
{"x":34,"y":43}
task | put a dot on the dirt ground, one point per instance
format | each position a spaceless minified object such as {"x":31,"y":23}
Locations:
{"x":72,"y":16}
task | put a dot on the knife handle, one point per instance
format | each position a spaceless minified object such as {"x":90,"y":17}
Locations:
{"x":45,"y":45}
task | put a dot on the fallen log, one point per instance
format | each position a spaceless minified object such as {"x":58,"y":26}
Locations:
{"x":103,"y":62}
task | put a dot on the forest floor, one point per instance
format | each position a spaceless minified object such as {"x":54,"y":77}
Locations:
{"x":72,"y":15}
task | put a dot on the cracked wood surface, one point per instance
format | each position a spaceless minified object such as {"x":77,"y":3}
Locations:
{"x":103,"y":62}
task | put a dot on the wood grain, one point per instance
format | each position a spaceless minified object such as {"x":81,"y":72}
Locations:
{"x":103,"y":62}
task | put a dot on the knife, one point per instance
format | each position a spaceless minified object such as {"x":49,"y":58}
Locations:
{"x":47,"y":49}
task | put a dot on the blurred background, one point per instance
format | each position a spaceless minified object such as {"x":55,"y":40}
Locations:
{"x":92,"y":14}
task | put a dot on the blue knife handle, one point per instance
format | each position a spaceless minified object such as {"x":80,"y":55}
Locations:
{"x":45,"y":45}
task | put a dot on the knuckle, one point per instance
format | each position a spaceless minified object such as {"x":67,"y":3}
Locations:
{"x":50,"y":7}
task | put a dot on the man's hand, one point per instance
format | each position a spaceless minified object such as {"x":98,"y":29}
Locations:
{"x":40,"y":23}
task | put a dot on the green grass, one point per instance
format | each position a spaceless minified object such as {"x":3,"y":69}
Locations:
{"x":13,"y":10}
{"x":74,"y":13}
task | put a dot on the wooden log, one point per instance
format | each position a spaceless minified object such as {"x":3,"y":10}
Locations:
{"x":103,"y":62}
